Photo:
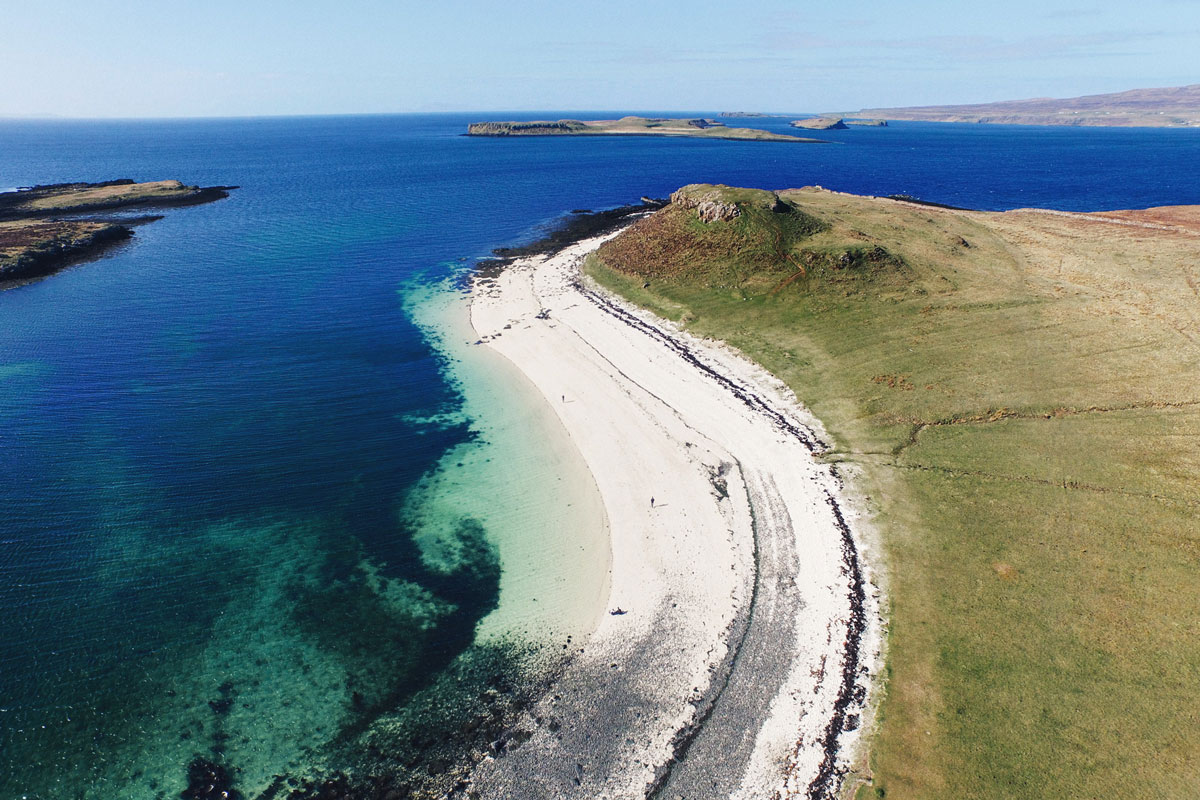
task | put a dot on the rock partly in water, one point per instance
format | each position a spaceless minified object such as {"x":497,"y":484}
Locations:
{"x":209,"y":781}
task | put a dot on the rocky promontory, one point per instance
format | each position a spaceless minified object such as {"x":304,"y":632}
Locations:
{"x":72,"y":198}
{"x":41,"y":230}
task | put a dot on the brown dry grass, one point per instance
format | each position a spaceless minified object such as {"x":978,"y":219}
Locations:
{"x":103,"y":195}
{"x":1186,"y":217}
{"x":19,"y":236}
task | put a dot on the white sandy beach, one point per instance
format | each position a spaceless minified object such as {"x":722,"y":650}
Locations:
{"x":722,"y":668}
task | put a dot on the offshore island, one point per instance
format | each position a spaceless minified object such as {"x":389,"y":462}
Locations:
{"x":46,"y":228}
{"x":698,"y":128}
{"x":1004,"y":406}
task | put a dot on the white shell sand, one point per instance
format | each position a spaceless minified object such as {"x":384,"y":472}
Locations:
{"x":718,"y":670}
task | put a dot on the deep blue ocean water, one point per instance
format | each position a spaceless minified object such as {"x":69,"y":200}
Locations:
{"x":206,"y":435}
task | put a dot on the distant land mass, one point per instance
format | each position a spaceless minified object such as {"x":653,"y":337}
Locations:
{"x":629,"y":126}
{"x":828,"y":123}
{"x":1173,"y":107}
{"x":820,"y":124}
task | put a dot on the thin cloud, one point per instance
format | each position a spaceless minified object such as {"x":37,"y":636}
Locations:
{"x":785,"y":40}
{"x":1073,"y":13}
{"x":1051,"y":46}
{"x":979,"y":48}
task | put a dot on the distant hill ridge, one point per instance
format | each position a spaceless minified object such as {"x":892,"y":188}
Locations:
{"x":1177,"y":106}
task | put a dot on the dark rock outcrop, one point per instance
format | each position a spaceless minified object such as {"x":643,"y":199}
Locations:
{"x":208,"y":780}
{"x":709,"y":205}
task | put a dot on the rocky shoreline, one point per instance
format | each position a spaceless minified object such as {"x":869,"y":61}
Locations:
{"x":44,"y":229}
{"x":579,"y":225}
{"x":56,"y":252}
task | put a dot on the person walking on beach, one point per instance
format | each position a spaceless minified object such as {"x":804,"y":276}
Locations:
{"x":652,"y":502}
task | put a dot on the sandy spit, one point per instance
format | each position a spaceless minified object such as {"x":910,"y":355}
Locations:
{"x":742,"y":633}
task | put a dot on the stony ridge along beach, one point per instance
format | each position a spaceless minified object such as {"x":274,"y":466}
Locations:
{"x":742,"y":627}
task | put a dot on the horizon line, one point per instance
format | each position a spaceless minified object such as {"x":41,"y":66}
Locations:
{"x":310,"y":115}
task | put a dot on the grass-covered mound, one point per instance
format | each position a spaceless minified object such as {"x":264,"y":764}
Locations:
{"x":1021,"y":394}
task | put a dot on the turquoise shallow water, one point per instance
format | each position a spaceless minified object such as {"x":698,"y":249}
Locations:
{"x":264,"y":507}
{"x":520,"y":478}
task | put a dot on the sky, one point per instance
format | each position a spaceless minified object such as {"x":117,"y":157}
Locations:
{"x":187,"y":58}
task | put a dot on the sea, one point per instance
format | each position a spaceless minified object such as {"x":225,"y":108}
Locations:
{"x":266,"y":511}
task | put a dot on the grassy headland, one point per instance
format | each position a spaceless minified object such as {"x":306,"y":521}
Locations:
{"x":38,"y":234}
{"x":1019,"y":393}
{"x":629,"y":126}
{"x":70,"y":198}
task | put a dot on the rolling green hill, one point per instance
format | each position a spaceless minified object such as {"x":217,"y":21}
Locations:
{"x":1017,"y":395}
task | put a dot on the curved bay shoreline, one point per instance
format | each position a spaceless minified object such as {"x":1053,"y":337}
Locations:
{"x":742,"y":635}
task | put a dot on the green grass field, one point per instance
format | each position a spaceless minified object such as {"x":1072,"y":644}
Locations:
{"x":1021,"y":394}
